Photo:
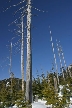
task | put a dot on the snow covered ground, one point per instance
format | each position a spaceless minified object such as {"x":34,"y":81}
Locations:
{"x":70,"y":106}
{"x":40,"y":104}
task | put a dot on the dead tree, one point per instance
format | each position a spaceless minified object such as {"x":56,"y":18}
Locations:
{"x":29,"y":56}
{"x":54,"y":57}
{"x":10,"y":69}
{"x":22,"y":54}
{"x":55,"y":85}
{"x":59,"y":54}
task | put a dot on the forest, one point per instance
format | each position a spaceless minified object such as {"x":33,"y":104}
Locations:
{"x":28,"y":50}
{"x":45,"y":87}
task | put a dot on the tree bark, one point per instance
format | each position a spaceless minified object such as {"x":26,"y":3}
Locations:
{"x":29,"y":56}
{"x":22,"y":55}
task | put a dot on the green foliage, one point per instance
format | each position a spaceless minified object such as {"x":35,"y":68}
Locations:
{"x":22,"y":103}
{"x":52,"y":98}
{"x":37,"y":88}
{"x":6,"y":96}
{"x":44,"y":87}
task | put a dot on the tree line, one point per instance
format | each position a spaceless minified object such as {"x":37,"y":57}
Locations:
{"x":44,"y":86}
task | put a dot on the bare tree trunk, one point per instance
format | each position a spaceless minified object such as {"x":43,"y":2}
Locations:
{"x":29,"y":56}
{"x":54,"y":56}
{"x":59,"y":54}
{"x":55,"y":84}
{"x":22,"y":56}
{"x":62,"y":54}
{"x":10,"y":64}
{"x":10,"y":58}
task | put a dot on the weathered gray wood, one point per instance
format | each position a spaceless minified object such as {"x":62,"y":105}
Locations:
{"x":22,"y":55}
{"x":55,"y":84}
{"x":11,"y":65}
{"x":54,"y":56}
{"x":29,"y":56}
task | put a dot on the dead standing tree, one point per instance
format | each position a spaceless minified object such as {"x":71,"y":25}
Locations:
{"x":59,"y":54}
{"x":63,"y":58}
{"x":22,"y":55}
{"x":10,"y":58}
{"x":29,"y":51}
{"x":54,"y":57}
{"x":10,"y":68}
{"x":29,"y":56}
{"x":21,"y":32}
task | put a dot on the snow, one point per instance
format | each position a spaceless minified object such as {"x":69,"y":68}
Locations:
{"x":38,"y":105}
{"x":14,"y":106}
{"x":71,"y":99}
{"x":42,"y":101}
{"x":70,"y":106}
{"x":41,"y":104}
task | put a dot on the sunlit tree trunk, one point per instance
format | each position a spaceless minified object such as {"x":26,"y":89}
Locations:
{"x":22,"y":55}
{"x":55,"y":85}
{"x":54,"y":58}
{"x":11,"y":65}
{"x":29,"y":56}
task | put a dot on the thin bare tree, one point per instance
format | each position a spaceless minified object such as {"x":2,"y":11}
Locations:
{"x":54,"y":56}
{"x":62,"y":54}
{"x":22,"y":54}
{"x":59,"y":54}
{"x":10,"y":69}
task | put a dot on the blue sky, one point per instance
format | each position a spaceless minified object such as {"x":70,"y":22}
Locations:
{"x":59,"y":17}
